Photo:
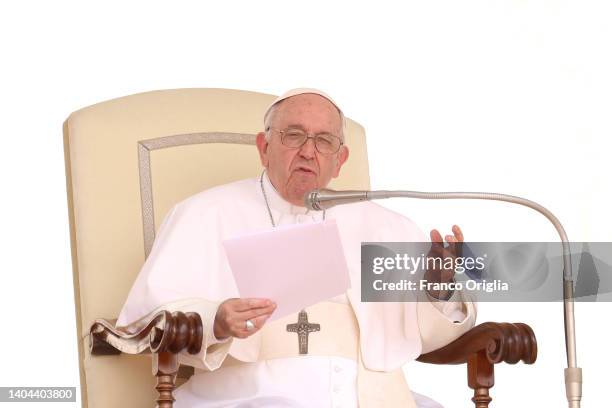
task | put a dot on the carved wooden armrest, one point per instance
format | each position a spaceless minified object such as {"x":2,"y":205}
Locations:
{"x":483,"y":346}
{"x":164,"y":334}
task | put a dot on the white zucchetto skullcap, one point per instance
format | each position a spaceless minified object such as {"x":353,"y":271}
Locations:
{"x":301,"y":91}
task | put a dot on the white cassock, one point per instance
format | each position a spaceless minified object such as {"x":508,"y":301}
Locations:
{"x":187,"y":270}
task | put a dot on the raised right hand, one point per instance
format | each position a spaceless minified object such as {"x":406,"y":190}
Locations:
{"x":233,"y":313}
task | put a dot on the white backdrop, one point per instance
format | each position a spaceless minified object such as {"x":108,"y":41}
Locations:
{"x":509,"y":96}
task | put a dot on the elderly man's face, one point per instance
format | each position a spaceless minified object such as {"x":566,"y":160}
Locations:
{"x":293,"y":172}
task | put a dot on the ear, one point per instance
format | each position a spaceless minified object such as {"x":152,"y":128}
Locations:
{"x":262,"y":147}
{"x":343,"y":156}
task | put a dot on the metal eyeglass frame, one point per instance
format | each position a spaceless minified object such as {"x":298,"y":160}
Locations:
{"x":308,"y":136}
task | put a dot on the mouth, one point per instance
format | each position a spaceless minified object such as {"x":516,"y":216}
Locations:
{"x":305,"y":170}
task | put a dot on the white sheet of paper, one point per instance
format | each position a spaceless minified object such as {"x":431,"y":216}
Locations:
{"x":295,"y":265}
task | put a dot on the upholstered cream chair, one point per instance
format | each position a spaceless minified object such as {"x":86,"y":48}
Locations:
{"x":128,"y":160}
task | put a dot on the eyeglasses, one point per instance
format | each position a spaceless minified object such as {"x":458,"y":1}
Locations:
{"x":294,"y":138}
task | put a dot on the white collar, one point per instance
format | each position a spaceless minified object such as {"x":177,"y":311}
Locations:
{"x":278,"y":203}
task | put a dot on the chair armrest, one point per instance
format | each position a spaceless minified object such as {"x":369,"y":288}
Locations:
{"x":481,"y":348}
{"x":499,"y":342}
{"x":164,"y":334}
{"x":159,"y":333}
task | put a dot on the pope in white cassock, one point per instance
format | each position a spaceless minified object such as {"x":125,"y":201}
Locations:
{"x":355,"y":357}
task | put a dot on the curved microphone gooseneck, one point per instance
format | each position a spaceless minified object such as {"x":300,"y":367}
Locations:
{"x":325,"y":198}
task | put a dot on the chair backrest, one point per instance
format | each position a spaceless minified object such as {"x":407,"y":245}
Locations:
{"x":128,"y":160}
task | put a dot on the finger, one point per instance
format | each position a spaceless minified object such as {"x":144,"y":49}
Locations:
{"x":259,"y":321}
{"x":459,"y":238}
{"x":458,"y":233}
{"x":252,"y":313}
{"x":242,"y":332}
{"x":451,"y":243}
{"x":245,"y":304}
{"x":436,"y":238}
{"x":454,"y":249}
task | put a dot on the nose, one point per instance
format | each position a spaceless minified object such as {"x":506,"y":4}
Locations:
{"x":308,"y":148}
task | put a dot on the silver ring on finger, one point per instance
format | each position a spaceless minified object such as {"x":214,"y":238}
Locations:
{"x":249,"y":325}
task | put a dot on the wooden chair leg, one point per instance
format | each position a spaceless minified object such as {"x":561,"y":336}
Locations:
{"x":165,"y":368}
{"x":480,"y":379}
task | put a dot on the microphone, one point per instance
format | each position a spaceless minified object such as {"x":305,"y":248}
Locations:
{"x":323,"y":199}
{"x":326,"y":198}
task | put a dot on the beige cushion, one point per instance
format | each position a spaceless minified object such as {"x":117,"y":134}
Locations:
{"x":128,"y":160}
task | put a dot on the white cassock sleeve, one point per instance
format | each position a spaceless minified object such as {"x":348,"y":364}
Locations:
{"x":172,"y":279}
{"x":441,"y":322}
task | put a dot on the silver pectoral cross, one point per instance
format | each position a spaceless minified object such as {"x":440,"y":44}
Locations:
{"x":303,"y":328}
